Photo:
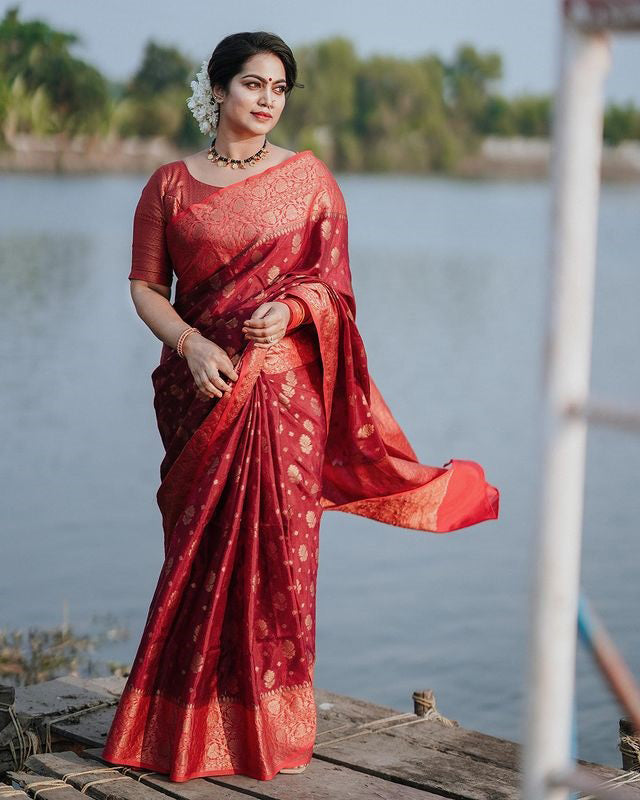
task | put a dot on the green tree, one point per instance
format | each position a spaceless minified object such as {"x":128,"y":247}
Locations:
{"x":469,"y":82}
{"x":35,"y":59}
{"x":401,"y":116}
{"x":320,"y":116}
{"x":154,"y":101}
{"x":525,"y":115}
{"x":621,"y":122}
{"x":162,"y":68}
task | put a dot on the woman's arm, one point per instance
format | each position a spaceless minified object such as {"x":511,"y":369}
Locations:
{"x":150,"y":279}
{"x":151,"y":301}
{"x":204,"y":357}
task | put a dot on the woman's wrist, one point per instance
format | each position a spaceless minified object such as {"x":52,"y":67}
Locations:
{"x":297,"y":312}
{"x":289,"y":308}
{"x":187,"y":334}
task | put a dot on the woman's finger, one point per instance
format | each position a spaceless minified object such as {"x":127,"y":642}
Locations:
{"x":261,"y":323}
{"x":220,"y":383}
{"x":229,"y":370}
{"x":207,"y":386}
{"x":269,"y":326}
{"x":270,"y":339}
{"x":261,"y":336}
{"x":204,"y":391}
{"x":215,"y":378}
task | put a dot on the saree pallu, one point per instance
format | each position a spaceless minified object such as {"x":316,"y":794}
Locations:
{"x":222,"y":681}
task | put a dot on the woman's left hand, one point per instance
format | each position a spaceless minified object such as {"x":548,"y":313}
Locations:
{"x":268,"y":320}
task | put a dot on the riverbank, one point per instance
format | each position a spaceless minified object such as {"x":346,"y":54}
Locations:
{"x":508,"y":158}
{"x":530,"y":158}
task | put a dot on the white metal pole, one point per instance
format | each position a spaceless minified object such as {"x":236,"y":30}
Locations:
{"x":575,"y":170}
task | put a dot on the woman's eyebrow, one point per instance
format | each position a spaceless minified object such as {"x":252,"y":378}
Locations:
{"x":280,"y":80}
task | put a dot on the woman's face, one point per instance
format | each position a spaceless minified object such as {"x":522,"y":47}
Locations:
{"x":258,"y":87}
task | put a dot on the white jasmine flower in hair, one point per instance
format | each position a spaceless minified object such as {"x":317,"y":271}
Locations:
{"x":201,"y":101}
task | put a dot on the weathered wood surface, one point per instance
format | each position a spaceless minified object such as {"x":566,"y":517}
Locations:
{"x":12,"y":793}
{"x":64,"y":695}
{"x":381,"y":758}
{"x":427,"y":752}
{"x":320,"y":781}
{"x":81,"y":771}
{"x":38,"y":782}
{"x":35,"y":707}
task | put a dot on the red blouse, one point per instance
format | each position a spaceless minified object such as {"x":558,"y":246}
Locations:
{"x":169,"y":190}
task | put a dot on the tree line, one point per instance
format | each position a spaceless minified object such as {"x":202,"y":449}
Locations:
{"x":362,"y":114}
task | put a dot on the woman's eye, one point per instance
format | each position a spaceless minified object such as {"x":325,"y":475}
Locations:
{"x":255,"y":83}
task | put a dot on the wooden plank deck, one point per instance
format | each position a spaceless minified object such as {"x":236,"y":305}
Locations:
{"x":358,"y":752}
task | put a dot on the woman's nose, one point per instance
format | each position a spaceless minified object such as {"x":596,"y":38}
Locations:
{"x":267,"y":95}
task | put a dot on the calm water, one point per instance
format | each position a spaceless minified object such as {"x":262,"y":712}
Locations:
{"x":450,"y":284}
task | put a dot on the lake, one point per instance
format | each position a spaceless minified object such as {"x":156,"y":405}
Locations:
{"x":450,"y":280}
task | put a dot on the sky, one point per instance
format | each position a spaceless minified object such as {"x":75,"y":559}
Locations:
{"x":524,"y":32}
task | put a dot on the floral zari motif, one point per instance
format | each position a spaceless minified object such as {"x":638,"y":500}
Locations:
{"x":222,"y":681}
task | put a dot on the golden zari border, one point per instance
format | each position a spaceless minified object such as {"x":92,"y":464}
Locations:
{"x":210,"y":738}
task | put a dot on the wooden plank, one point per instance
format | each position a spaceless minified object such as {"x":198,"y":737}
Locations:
{"x":12,"y":793}
{"x":446,"y":773}
{"x":449,"y":760}
{"x":89,"y":728}
{"x":320,"y":781}
{"x":81,"y":772}
{"x":35,"y":782}
{"x":37,"y":704}
{"x":459,"y":740}
{"x":61,"y":695}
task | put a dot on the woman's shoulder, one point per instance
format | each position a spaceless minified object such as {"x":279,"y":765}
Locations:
{"x":325,"y":182}
{"x":167,"y":174}
{"x":321,"y":168}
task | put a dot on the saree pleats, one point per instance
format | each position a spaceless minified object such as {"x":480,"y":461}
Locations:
{"x":222,"y":681}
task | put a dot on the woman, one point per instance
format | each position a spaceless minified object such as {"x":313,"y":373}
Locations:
{"x":269,"y":417}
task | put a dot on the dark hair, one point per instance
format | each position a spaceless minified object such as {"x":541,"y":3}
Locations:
{"x":234,"y":50}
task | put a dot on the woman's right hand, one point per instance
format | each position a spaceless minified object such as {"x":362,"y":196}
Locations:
{"x":206,"y":361}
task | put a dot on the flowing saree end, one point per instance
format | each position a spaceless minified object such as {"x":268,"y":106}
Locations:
{"x":456,"y":498}
{"x":469,"y":499}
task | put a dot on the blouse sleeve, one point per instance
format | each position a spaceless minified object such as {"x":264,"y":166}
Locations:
{"x":150,"y":260}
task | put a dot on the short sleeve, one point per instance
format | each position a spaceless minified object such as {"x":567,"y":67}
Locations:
{"x":150,"y":260}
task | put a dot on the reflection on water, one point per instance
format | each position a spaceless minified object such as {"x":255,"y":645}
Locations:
{"x":450,"y":282}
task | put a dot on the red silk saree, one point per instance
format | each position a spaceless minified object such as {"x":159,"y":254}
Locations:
{"x":222,"y":681}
